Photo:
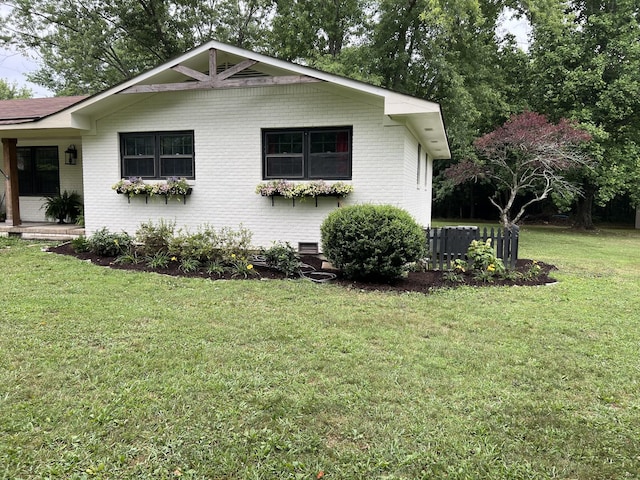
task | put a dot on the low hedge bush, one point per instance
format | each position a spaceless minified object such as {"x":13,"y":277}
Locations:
{"x":372,"y":242}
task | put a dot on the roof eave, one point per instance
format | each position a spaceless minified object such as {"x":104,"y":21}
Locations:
{"x":424,"y":117}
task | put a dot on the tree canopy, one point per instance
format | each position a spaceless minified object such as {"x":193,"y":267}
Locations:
{"x":585,"y":63}
{"x":11,"y":90}
{"x":526,"y":157}
{"x":87,"y":46}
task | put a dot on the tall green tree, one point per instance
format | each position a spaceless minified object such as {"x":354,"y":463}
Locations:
{"x":586,"y":59}
{"x":448,"y":51}
{"x":308,"y":29}
{"x":9,"y":91}
{"x":331,"y":35}
{"x":88,"y":46}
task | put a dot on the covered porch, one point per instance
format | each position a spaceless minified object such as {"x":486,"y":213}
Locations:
{"x":38,"y":161}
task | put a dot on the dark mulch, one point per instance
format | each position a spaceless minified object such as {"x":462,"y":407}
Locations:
{"x":422,"y":282}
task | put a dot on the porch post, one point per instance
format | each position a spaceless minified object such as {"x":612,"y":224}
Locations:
{"x":11,"y":184}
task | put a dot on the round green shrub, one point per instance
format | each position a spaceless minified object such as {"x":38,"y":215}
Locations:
{"x":372,"y":242}
{"x":108,"y":244}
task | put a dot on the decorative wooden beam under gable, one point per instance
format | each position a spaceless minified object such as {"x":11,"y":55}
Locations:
{"x":190,"y":72}
{"x":219,"y":80}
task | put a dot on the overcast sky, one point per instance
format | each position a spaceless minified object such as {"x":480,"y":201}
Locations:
{"x":14,"y":66}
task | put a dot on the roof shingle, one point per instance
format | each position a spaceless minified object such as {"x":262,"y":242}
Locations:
{"x":29,"y":109}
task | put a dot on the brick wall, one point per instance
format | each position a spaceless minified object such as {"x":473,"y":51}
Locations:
{"x":416,"y":193}
{"x":228,"y":162}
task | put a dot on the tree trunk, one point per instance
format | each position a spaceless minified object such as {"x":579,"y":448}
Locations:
{"x":584,"y":207}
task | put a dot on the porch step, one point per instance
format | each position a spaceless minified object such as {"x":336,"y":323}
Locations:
{"x":42,"y":231}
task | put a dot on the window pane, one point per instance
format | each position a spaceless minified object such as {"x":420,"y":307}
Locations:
{"x":46,"y":170}
{"x":284,"y":167}
{"x":176,"y":145}
{"x":25,"y":171}
{"x":284,"y":143}
{"x":138,"y":145}
{"x":176,"y":167}
{"x":138,"y":167}
{"x":330,"y":165}
{"x":157,"y":154}
{"x":313,"y":153}
{"x":329,"y":142}
{"x":38,"y":170}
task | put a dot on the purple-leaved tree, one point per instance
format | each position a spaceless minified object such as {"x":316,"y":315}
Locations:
{"x":528,"y":155}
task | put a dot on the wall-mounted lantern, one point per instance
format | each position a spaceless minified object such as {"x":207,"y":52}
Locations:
{"x":71,"y":155}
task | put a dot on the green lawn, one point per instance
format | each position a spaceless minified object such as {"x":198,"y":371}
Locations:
{"x":112,"y":374}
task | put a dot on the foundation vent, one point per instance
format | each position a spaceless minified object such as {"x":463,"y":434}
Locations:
{"x":307,"y":248}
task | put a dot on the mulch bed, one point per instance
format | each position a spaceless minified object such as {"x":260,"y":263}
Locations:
{"x":422,"y":282}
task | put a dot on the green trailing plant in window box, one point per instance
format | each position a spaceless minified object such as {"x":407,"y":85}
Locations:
{"x":133,"y":186}
{"x":319,"y":188}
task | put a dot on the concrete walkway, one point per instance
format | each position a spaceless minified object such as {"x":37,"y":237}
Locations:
{"x":42,"y":231}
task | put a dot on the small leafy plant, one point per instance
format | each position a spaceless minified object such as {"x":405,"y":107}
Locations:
{"x":108,"y":244}
{"x":234,"y":242}
{"x":483,"y":261}
{"x":128,"y":258}
{"x":155,"y":237}
{"x":201,"y":245}
{"x":209,"y":244}
{"x":456,"y":274}
{"x":534,"y":271}
{"x":80,"y":244}
{"x":282,"y":256}
{"x":189,"y":265}
{"x":241,"y":267}
{"x":215,"y":267}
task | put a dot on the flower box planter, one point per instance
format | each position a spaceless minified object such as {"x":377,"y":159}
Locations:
{"x":166,"y":196}
{"x":303,"y":191}
{"x":303,"y":198}
{"x":173,"y":187}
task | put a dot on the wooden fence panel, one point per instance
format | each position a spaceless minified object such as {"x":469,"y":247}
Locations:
{"x":448,"y":244}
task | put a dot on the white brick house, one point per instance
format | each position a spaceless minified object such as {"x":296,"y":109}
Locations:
{"x":228,"y":119}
